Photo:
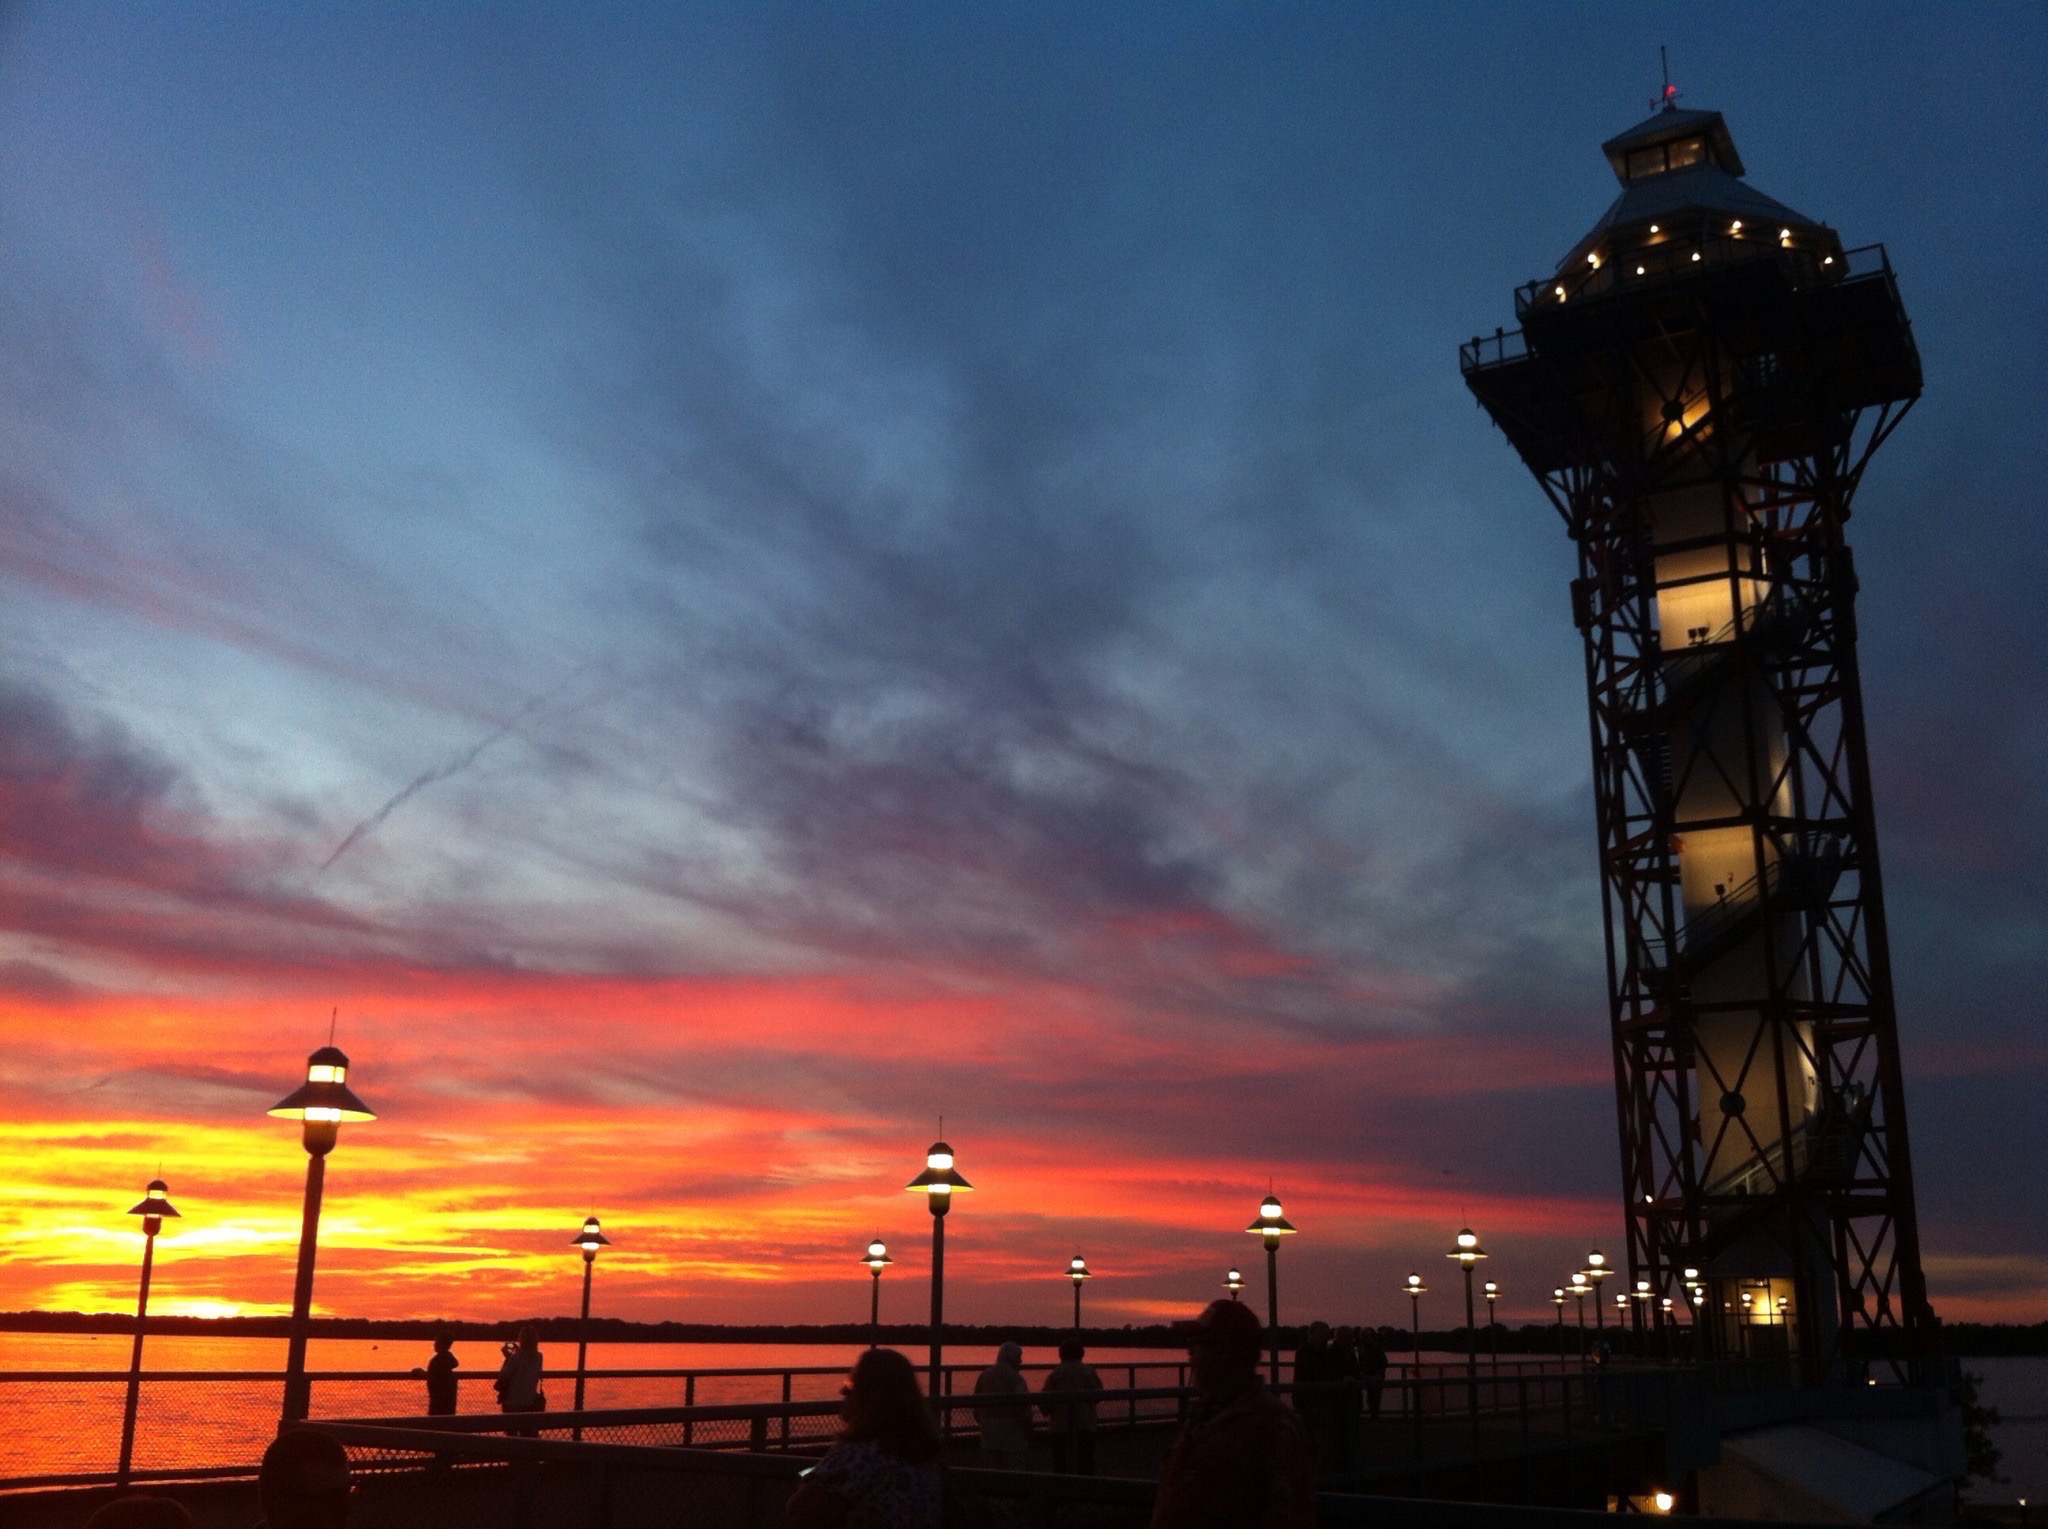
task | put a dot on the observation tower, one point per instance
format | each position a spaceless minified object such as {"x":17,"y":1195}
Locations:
{"x":1698,"y":388}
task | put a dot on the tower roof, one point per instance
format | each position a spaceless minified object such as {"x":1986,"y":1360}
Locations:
{"x":1668,"y":126}
{"x":1678,"y":167}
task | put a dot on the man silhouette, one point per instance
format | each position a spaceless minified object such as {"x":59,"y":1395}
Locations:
{"x":1242,"y":1461}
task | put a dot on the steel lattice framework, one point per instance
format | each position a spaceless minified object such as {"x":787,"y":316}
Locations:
{"x":1700,"y":409}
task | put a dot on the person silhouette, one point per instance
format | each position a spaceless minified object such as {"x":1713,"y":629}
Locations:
{"x":1002,"y":1411}
{"x":303,"y":1482}
{"x":440,"y":1373}
{"x":1242,"y":1460}
{"x":1068,"y":1399}
{"x":519,"y":1377}
{"x":138,"y":1511}
{"x":884,"y":1471}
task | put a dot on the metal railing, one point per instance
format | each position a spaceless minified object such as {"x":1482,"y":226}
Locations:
{"x":64,"y":1425}
{"x":630,"y":1468}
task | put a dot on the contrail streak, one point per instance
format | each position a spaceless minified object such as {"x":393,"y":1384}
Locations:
{"x":413,"y":788}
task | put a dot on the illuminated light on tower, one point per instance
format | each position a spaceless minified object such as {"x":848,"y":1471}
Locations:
{"x":320,"y":1104}
{"x":1702,"y":429}
{"x":1077,"y":1271}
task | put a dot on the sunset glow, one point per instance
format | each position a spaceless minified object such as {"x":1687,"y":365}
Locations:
{"x":715,"y":592}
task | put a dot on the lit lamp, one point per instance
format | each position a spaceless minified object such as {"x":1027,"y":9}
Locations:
{"x":1596,"y":1271}
{"x":1557,"y":1300}
{"x":590,"y":1239}
{"x":1643,"y":1296}
{"x":1416,"y":1291}
{"x":322,"y":1103}
{"x":937,"y":1184}
{"x":1272,"y":1226}
{"x":156,"y":1205}
{"x":1234,"y":1283}
{"x":1077,"y":1270}
{"x":877,"y":1260}
{"x":1467,"y":1253}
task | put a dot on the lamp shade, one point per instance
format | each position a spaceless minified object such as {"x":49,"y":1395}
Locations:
{"x":1234,"y":1280}
{"x":1468,"y":1251}
{"x":590,"y":1239}
{"x":940,"y":1177}
{"x":878,"y":1257}
{"x":325,"y":1094}
{"x":155,"y":1201}
{"x":1270,"y":1221}
{"x":1415,"y":1285}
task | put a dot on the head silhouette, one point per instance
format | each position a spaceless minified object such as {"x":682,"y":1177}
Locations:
{"x":884,"y":1406}
{"x":303,"y":1482}
{"x":1223,"y":1346}
{"x":140,"y":1513}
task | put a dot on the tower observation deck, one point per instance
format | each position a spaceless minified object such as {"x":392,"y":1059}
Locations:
{"x":1698,"y":388}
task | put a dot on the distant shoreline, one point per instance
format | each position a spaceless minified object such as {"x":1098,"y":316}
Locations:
{"x":1965,"y":1340}
{"x":558,"y":1328}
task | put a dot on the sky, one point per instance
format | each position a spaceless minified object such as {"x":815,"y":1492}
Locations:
{"x":720,"y":583}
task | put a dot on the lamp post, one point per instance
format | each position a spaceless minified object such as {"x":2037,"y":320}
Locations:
{"x":1581,"y":1289}
{"x":1492,"y":1293}
{"x":590,"y":1239}
{"x":937,"y":1184}
{"x":877,"y":1260}
{"x":321,"y":1103}
{"x":1643,"y":1297}
{"x":1596,"y":1271}
{"x":1416,"y":1291}
{"x":1234,"y":1283}
{"x":1467,"y":1253}
{"x":155,"y":1206}
{"x":1557,"y":1300}
{"x":1077,"y":1270}
{"x":1272,"y":1226}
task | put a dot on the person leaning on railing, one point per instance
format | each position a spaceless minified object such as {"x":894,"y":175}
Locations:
{"x":1068,"y":1399}
{"x":1002,"y":1411}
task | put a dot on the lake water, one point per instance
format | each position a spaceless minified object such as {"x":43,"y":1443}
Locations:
{"x":56,"y":1429}
{"x":2018,"y":1388}
{"x":75,"y":1427}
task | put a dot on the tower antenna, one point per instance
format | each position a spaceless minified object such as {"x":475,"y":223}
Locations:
{"x":333,"y":1019}
{"x":1668,"y":97}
